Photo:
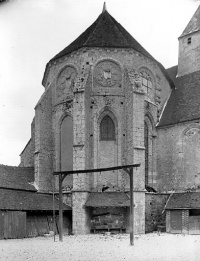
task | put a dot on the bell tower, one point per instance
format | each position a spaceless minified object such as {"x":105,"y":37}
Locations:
{"x":189,"y":47}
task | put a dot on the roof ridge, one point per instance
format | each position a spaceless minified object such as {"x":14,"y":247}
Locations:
{"x":113,"y":21}
{"x":97,"y":21}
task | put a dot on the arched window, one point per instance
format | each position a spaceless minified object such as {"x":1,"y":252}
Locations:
{"x":107,"y":129}
{"x":146,"y":145}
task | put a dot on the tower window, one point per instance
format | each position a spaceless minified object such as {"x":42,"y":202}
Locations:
{"x":189,"y":40}
{"x":107,"y":129}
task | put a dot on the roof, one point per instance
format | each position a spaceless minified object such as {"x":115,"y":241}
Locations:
{"x":194,"y":24}
{"x":187,"y":200}
{"x":108,"y":199}
{"x":105,"y":32}
{"x":26,"y":200}
{"x":17,"y":177}
{"x":184,"y":101}
{"x":172,"y":72}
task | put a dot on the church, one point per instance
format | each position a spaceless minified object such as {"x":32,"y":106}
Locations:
{"x":107,"y":102}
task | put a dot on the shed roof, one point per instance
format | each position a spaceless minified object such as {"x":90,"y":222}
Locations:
{"x":108,"y":199}
{"x":26,"y":200}
{"x":194,"y":24}
{"x":106,"y":32}
{"x":17,"y":177}
{"x":184,"y":101}
{"x":186,"y":200}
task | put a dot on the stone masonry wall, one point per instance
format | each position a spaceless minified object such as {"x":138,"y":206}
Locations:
{"x":189,"y":54}
{"x":154,"y":215}
{"x":43,"y":142}
{"x":178,"y":162}
{"x":88,"y":105}
{"x":27,"y":155}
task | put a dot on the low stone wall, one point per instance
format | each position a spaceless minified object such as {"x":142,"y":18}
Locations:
{"x":154,"y":216}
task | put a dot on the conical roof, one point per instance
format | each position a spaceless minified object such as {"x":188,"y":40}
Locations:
{"x":104,"y":32}
{"x":194,"y":24}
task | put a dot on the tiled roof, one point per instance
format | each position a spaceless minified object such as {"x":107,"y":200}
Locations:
{"x":194,"y":24}
{"x":187,"y":200}
{"x":17,"y":177}
{"x":106,"y":32}
{"x":184,"y":102}
{"x":108,"y":199}
{"x":172,"y":72}
{"x":27,"y":200}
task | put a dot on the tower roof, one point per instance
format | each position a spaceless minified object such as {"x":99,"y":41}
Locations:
{"x":105,"y":32}
{"x":194,"y":24}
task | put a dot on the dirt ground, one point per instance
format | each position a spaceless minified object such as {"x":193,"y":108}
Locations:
{"x":149,"y":247}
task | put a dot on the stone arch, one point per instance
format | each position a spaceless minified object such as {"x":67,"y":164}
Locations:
{"x":65,"y":80}
{"x":106,"y":152}
{"x":149,"y":144}
{"x":109,"y":112}
{"x":66,"y":146}
{"x":190,"y":152}
{"x":113,"y":78}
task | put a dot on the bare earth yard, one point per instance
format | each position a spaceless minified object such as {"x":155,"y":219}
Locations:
{"x":147,"y":247}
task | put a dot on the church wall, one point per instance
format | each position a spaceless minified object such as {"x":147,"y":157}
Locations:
{"x":127,"y":110}
{"x":178,"y":161}
{"x":189,"y":55}
{"x":127,"y":59}
{"x":43,"y":142}
{"x":27,"y":155}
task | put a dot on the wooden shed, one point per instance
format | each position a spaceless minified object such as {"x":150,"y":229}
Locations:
{"x":183,"y":213}
{"x":109,"y":211}
{"x":23,"y":211}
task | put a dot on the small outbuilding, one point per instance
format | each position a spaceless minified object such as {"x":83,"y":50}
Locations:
{"x":183,"y":213}
{"x":24,"y":212}
{"x":109,"y":211}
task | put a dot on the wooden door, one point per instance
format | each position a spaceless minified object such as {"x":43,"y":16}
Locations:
{"x":176,"y":221}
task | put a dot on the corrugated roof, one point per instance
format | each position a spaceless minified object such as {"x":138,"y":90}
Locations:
{"x":194,"y":24}
{"x":108,"y":199}
{"x":187,"y":200}
{"x":106,"y":32}
{"x":17,"y":177}
{"x":184,"y":102}
{"x":26,"y":200}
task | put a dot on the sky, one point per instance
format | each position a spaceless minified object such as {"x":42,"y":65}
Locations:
{"x":34,"y":31}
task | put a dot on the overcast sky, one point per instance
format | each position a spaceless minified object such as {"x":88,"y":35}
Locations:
{"x":33,"y":31}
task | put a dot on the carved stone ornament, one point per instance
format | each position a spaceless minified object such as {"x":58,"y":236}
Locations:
{"x":67,"y":105}
{"x":65,"y":81}
{"x":108,"y":100}
{"x":108,"y":74}
{"x":135,"y":80}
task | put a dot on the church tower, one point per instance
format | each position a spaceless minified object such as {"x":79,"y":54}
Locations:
{"x":189,"y":47}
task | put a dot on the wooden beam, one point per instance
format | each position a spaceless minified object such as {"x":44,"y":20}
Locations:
{"x":131,"y":209}
{"x":94,"y":170}
{"x":60,"y":209}
{"x":63,"y":174}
